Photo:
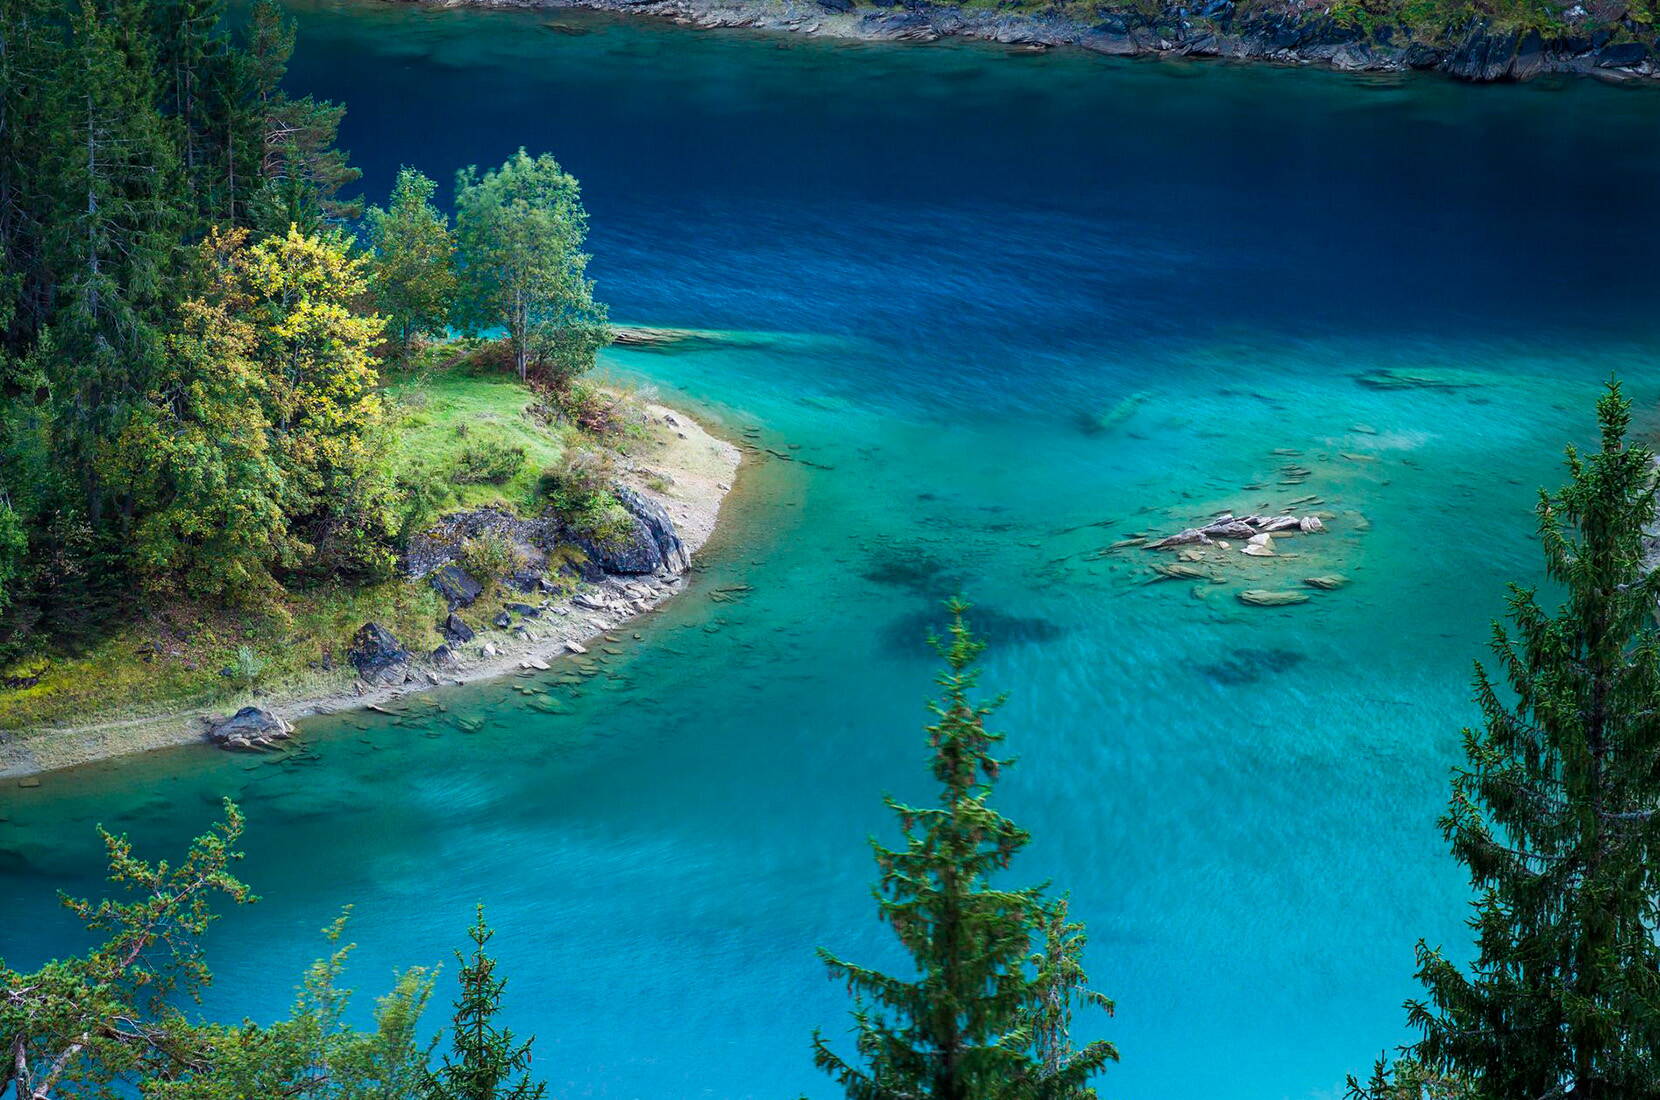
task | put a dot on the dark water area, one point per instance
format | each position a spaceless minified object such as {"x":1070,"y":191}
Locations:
{"x":1007,"y":310}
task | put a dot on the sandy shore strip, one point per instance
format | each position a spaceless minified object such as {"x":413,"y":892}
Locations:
{"x":701,"y":469}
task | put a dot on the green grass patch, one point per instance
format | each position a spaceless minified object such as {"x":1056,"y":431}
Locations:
{"x":474,"y":432}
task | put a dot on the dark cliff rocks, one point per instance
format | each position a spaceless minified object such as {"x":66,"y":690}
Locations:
{"x":651,"y":546}
{"x":380,"y":659}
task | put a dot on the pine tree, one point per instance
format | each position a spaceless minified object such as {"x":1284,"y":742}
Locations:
{"x":976,"y":1023}
{"x":413,"y":273}
{"x":484,"y":1062}
{"x":1556,"y":814}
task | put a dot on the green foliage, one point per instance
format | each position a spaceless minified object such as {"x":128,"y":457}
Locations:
{"x":14,"y":544}
{"x":326,"y":412}
{"x":313,"y":1054}
{"x":211,"y":493}
{"x":413,"y":272}
{"x":578,"y":490}
{"x":128,"y":130}
{"x":484,"y":1061}
{"x":520,"y":230}
{"x":249,"y":667}
{"x":78,"y":1025}
{"x":982,"y":1018}
{"x":490,"y":556}
{"x":488,"y":461}
{"x":1554,"y":814}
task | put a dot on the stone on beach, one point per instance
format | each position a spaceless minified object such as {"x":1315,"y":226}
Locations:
{"x":249,"y":728}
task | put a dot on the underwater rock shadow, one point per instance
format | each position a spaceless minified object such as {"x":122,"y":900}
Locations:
{"x":1251,"y":666}
{"x":910,"y":633}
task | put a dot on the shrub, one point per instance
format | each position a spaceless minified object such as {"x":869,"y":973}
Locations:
{"x":249,"y":667}
{"x":488,"y":462}
{"x":422,"y":494}
{"x":489,"y":556}
{"x":601,"y":519}
{"x":578,"y":489}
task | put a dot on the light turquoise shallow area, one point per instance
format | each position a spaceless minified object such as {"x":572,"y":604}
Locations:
{"x":950,"y":257}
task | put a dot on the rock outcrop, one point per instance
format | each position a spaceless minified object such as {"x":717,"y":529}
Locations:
{"x":380,"y":659}
{"x":456,"y":585}
{"x":249,"y":728}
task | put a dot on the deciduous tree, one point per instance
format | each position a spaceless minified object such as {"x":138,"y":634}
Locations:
{"x":521,"y":229}
{"x":413,"y":273}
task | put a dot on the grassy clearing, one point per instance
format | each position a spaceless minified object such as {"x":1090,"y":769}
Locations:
{"x":449,"y":411}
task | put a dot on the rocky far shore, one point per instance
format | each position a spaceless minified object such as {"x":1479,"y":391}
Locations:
{"x":530,"y":622}
{"x":1288,"y":32}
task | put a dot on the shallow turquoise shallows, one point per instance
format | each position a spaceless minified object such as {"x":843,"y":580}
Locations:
{"x":996,"y":312}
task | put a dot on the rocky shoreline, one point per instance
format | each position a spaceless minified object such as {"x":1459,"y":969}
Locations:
{"x":537,"y":623}
{"x":1287,"y":33}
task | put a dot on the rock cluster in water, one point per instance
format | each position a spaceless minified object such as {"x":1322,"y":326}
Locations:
{"x":1255,"y":531}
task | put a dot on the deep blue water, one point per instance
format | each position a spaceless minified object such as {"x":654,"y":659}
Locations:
{"x":953,"y":255}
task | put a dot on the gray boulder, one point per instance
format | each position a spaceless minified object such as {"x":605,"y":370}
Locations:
{"x":635,"y":552}
{"x":378,"y":656}
{"x":655,"y":519}
{"x":455,"y":628}
{"x":249,"y":728}
{"x":456,"y":585}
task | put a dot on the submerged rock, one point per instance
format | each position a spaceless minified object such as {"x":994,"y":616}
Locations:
{"x":1327,"y":582}
{"x":1263,"y":597}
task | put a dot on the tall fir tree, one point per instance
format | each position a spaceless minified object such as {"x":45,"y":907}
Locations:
{"x":484,"y":1062}
{"x":1556,"y":814}
{"x":979,"y":1021}
{"x":115,"y":234}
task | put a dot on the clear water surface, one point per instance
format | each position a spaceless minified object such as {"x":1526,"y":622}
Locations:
{"x":950,"y":261}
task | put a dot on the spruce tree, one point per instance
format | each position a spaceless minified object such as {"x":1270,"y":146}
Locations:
{"x":1555,"y":814}
{"x":979,"y":1021}
{"x":484,"y":1062}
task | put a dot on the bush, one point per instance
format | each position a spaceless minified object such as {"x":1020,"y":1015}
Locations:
{"x":488,"y":462}
{"x":489,"y":556}
{"x":578,"y":489}
{"x":581,"y":474}
{"x":601,"y":519}
{"x":249,"y":667}
{"x":422,"y":494}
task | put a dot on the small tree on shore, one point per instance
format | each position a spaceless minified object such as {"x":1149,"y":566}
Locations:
{"x":984,"y":1019}
{"x":1556,"y":814}
{"x":521,"y":229}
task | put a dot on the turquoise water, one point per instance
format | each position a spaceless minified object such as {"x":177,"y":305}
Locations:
{"x":953,"y":259}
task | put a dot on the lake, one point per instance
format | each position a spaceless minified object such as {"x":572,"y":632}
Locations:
{"x":989,"y":314}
